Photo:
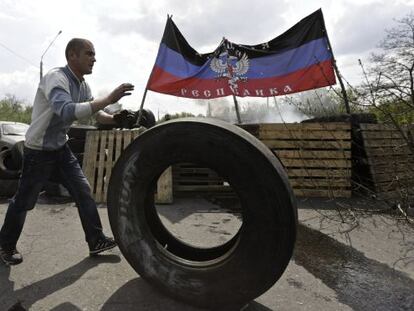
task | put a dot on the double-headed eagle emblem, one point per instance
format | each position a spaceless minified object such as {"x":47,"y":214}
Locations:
{"x":231,"y":67}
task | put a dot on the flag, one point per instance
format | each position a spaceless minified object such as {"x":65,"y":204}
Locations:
{"x":297,"y":60}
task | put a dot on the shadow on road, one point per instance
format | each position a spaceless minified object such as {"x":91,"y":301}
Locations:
{"x":24,"y":298}
{"x":137,"y":294}
{"x":359,"y":282}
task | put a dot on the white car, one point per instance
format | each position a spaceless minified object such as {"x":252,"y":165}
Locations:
{"x":11,"y":133}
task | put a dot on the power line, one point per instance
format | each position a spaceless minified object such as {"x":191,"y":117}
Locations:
{"x":17,"y":55}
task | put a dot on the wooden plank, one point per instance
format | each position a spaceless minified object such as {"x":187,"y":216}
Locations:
{"x":322,"y":193}
{"x":301,"y":144}
{"x":202,"y":188}
{"x":305,"y":135}
{"x":90,"y":156}
{"x":127,"y":138}
{"x":135,"y":134}
{"x":384,"y":142}
{"x":316,"y":163}
{"x":392,"y":161}
{"x":391,"y":171}
{"x":381,"y":135}
{"x":314,"y":154}
{"x":320,"y":183}
{"x":190,"y":171}
{"x":377,"y":127}
{"x":389,"y":150}
{"x":109,"y":162}
{"x":305,"y":126}
{"x":101,"y":166}
{"x":251,"y":128}
{"x":388,"y":177}
{"x":164,"y":193}
{"x":388,"y":157}
{"x":327,"y":173}
{"x":118,"y":144}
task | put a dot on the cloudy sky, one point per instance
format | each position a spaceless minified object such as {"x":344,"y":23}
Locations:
{"x":126,"y":35}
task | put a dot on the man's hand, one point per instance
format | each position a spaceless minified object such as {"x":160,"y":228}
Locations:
{"x":124,"y":89}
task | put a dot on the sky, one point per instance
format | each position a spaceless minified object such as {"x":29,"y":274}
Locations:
{"x":126,"y":35}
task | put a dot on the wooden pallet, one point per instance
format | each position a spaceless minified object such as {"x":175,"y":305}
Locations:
{"x":316,"y":156}
{"x":102,"y":150}
{"x":390,"y":161}
{"x":191,"y":179}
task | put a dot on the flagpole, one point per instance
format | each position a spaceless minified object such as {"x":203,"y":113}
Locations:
{"x":145,"y":93}
{"x":141,"y":107}
{"x":237,"y":109}
{"x":341,"y":83}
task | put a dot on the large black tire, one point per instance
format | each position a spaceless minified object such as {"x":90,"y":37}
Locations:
{"x":226,"y":276}
{"x":7,"y":170}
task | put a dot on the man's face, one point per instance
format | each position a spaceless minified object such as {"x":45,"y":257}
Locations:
{"x":83,"y":63}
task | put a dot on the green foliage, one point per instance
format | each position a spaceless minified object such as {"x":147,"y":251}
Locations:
{"x":398,"y":110}
{"x":12,"y":109}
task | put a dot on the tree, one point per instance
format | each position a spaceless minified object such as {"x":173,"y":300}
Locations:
{"x":389,"y":87}
{"x":13,"y":109}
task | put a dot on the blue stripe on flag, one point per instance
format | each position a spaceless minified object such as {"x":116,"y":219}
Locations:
{"x":261,"y":67}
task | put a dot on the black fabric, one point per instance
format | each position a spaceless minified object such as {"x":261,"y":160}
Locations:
{"x":309,"y":28}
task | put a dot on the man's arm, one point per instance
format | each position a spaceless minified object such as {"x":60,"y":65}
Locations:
{"x":104,"y":118}
{"x":62,"y":104}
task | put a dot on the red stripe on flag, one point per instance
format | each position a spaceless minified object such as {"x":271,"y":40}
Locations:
{"x":311,"y":77}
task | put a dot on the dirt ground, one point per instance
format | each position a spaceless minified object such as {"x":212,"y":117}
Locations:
{"x":345,"y":259}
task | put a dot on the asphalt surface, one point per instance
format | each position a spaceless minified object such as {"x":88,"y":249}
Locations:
{"x":345,"y":259}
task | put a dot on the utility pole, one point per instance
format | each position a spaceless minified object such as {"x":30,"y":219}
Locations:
{"x":41,"y":58}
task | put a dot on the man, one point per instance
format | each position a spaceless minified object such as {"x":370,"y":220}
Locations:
{"x":62,"y":97}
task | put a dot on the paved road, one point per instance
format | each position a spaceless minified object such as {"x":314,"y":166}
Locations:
{"x":368,"y":268}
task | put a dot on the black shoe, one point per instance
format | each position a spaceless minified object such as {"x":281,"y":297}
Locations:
{"x":11,"y":256}
{"x":101,"y":245}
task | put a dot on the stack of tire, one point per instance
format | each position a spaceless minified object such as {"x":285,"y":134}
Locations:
{"x":10,"y":169}
{"x":147,"y":120}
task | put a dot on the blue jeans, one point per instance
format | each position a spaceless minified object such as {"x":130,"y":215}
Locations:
{"x":38,"y":167}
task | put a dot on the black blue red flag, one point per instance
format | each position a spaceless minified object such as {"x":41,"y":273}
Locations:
{"x":297,"y":60}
